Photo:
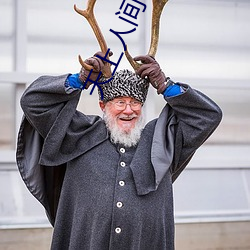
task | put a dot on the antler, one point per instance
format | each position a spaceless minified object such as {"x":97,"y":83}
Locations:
{"x":158,"y":6}
{"x":89,"y":15}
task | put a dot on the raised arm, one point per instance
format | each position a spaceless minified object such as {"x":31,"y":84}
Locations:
{"x":196,"y":115}
{"x":48,"y":96}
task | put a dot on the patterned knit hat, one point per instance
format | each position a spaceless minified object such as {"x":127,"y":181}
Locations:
{"x":124,"y":83}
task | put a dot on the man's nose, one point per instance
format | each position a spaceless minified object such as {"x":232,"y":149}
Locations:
{"x":128,"y":110}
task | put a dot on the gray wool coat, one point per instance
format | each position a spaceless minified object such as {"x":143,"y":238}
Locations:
{"x":99,"y":195}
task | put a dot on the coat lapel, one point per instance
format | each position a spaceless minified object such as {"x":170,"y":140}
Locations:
{"x":154,"y":154}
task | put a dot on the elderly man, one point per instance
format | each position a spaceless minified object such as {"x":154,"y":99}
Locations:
{"x":107,"y":183}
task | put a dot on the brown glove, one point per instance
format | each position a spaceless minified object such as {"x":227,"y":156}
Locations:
{"x":151,"y":69}
{"x":97,"y":64}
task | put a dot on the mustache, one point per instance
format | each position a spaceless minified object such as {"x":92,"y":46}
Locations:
{"x":122,"y":116}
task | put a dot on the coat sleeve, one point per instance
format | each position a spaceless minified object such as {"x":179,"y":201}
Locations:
{"x":67,"y":133}
{"x":197,"y":117}
{"x":44,"y":99}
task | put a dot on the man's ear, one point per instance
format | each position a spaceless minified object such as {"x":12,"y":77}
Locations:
{"x":102,"y":105}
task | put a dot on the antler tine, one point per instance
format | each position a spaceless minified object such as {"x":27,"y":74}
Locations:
{"x":158,"y":6}
{"x":135,"y":65}
{"x":89,"y":15}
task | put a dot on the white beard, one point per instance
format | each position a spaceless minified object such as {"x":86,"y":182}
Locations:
{"x":127,"y":139}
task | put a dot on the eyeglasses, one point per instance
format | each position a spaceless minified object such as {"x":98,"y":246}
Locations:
{"x":121,"y":105}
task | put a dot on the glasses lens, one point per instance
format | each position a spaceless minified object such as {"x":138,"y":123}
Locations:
{"x":134,"y":105}
{"x":120,"y":105}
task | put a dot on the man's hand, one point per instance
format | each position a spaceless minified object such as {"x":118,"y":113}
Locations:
{"x":97,"y":65}
{"x":151,"y":69}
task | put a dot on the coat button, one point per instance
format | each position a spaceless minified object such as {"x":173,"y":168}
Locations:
{"x":122,"y":150}
{"x":123,"y":164}
{"x":121,"y":183}
{"x":118,"y":230}
{"x":119,"y":204}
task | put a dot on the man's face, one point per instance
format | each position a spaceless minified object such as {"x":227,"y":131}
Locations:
{"x":124,"y":118}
